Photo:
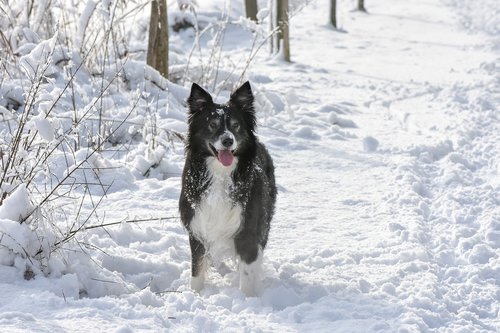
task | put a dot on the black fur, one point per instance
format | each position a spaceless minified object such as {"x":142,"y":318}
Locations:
{"x":253,"y":184}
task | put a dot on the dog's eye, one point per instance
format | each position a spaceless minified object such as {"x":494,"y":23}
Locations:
{"x":235,"y":126}
{"x":213,"y":125}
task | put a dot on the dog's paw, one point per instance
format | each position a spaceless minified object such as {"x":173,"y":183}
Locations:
{"x":249,"y":290}
{"x":197,"y":283}
{"x":250,"y":279}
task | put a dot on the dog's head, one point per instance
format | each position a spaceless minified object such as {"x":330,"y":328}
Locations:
{"x":221,"y":130}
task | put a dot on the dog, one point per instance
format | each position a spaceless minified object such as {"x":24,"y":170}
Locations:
{"x":228,"y":190}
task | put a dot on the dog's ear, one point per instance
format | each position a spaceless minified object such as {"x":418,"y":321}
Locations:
{"x":243,"y":96}
{"x":243,"y":99}
{"x":198,"y":99}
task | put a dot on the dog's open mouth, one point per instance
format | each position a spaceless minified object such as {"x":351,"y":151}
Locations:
{"x":224,"y":156}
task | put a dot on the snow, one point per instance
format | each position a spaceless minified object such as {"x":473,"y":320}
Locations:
{"x":39,"y":57}
{"x":16,"y":205}
{"x":370,"y":144}
{"x":84,"y":21}
{"x":385,"y":137}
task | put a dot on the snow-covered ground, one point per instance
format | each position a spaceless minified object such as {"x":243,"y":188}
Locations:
{"x":387,"y":155}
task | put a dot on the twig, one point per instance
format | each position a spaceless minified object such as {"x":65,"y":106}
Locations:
{"x":70,"y":173}
{"x":168,"y":292}
{"x":129,"y":221}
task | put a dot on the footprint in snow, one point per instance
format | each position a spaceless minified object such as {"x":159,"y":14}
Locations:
{"x":306,"y":132}
{"x":334,"y":119}
{"x":343,"y":108}
{"x":370,"y":144}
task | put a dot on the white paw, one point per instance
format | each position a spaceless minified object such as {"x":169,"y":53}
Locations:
{"x":250,"y":275}
{"x":197,"y":283}
{"x":248,"y":288}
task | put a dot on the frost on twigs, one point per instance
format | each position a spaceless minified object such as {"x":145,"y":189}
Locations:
{"x":54,"y":167}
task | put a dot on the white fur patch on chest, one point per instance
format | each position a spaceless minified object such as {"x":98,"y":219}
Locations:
{"x":217,"y":218}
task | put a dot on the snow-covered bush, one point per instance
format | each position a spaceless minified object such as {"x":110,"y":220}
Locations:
{"x":50,"y":152}
{"x":67,"y":109}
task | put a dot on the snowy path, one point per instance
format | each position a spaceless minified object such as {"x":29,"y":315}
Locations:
{"x":404,"y":234}
{"x":399,"y":237}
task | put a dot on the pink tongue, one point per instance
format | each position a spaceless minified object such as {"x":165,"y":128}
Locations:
{"x":225,"y":157}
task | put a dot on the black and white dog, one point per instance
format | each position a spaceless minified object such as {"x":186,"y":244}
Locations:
{"x":228,"y":187}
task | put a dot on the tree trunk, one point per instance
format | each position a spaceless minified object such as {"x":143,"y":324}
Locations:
{"x":272,"y":25}
{"x":333,"y":13}
{"x":361,"y":5}
{"x":251,"y":9}
{"x":283,"y":33}
{"x":158,"y":37}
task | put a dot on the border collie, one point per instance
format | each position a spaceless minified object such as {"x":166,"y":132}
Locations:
{"x":228,"y":187}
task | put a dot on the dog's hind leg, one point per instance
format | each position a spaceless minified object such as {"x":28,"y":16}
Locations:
{"x":198,"y":264}
{"x":250,"y":273}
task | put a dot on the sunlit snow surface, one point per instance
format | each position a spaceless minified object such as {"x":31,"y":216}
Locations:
{"x":386,"y":142}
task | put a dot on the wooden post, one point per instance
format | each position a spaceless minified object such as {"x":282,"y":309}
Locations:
{"x":272,"y":25}
{"x":157,"y":56}
{"x":361,"y":5}
{"x":283,"y":33}
{"x":333,"y":13}
{"x":251,"y":9}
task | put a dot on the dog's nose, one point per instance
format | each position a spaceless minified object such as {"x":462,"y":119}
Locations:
{"x":227,"y":142}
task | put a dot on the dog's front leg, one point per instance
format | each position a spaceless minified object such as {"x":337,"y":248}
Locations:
{"x":198,"y":264}
{"x":250,"y":264}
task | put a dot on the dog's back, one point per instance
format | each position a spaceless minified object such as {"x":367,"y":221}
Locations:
{"x":228,"y":188}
